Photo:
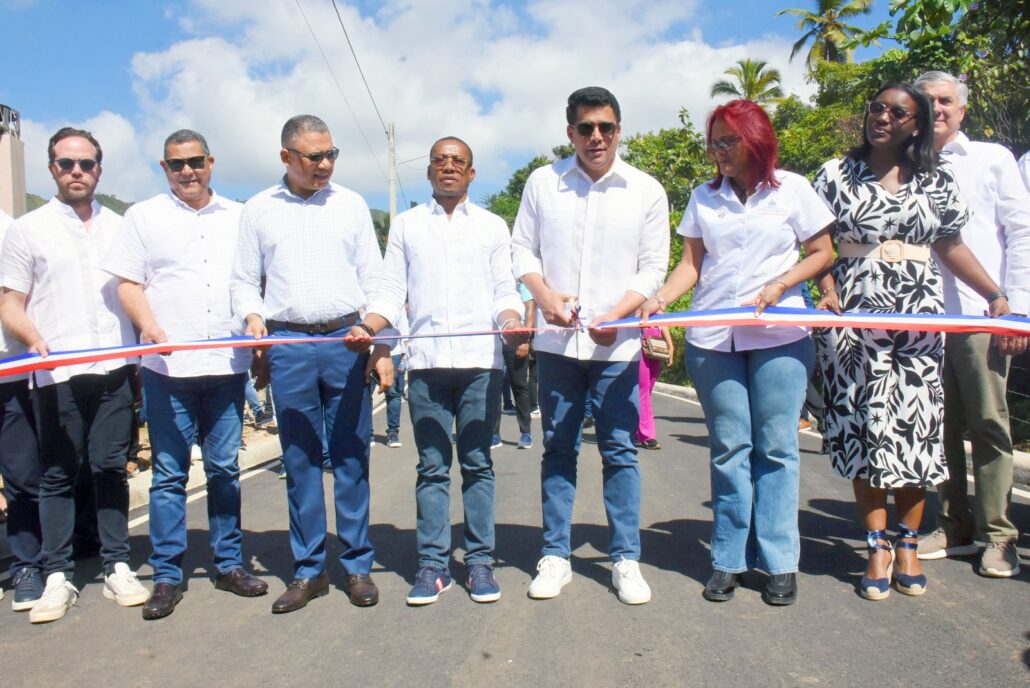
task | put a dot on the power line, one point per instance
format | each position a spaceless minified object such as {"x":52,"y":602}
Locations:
{"x":340,"y":89}
{"x":358,"y":64}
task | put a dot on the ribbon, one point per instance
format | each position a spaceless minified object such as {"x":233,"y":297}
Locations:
{"x":736,"y":317}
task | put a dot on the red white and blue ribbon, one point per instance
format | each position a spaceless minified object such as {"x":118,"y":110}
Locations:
{"x":734,"y":317}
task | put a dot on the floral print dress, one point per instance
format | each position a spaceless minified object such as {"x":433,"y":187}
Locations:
{"x":882,"y":389}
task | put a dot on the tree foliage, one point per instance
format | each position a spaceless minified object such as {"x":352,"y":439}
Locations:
{"x":826,"y":29}
{"x":755,"y":80}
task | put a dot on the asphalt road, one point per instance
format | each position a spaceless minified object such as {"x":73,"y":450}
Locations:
{"x":966,"y":630}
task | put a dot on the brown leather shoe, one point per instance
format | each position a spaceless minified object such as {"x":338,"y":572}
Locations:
{"x":162,"y":601}
{"x":242,"y":583}
{"x":299,"y":592}
{"x":361,"y":590}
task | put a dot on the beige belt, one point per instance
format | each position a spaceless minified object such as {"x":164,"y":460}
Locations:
{"x":891,"y":251}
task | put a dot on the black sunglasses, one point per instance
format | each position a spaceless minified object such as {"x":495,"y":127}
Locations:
{"x":896,"y":112}
{"x":197,"y":162}
{"x":587,"y":128}
{"x":316,"y":158}
{"x":67,"y":164}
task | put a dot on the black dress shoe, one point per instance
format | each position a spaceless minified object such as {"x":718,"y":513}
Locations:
{"x":242,"y":583}
{"x":721,"y":586}
{"x":162,"y":601}
{"x":361,"y":590}
{"x":299,"y":592}
{"x":782,"y":589}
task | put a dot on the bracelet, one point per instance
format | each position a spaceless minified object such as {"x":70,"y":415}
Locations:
{"x":366,"y":328}
{"x":779,"y":282}
{"x":828,"y":290}
{"x":660,"y":300}
{"x":997,"y":295}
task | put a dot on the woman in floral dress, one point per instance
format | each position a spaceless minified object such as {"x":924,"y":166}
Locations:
{"x":884,"y":402}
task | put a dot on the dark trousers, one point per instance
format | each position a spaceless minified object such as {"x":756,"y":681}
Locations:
{"x":518,"y":378}
{"x":19,"y":465}
{"x":84,"y":419}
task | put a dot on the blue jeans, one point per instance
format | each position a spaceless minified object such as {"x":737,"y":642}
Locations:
{"x":394,"y":395}
{"x":566,"y":384}
{"x":752,"y":401}
{"x":436,"y":398}
{"x":320,"y":387}
{"x":208,"y":410}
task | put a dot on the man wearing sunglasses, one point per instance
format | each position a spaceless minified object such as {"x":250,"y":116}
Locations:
{"x":975,"y":369}
{"x":173,"y":258}
{"x":591,"y":242}
{"x":312,"y":244}
{"x":56,"y":297}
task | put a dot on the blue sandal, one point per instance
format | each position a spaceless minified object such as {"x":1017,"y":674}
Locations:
{"x":906,"y":584}
{"x":877,"y":588}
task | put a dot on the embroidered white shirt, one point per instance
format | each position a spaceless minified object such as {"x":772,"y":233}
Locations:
{"x":183,"y":258}
{"x":594,"y":240}
{"x":746,"y":246}
{"x":998,"y":230}
{"x":456,"y":274}
{"x":319,"y":255}
{"x":1024,"y":168}
{"x":9,"y":344}
{"x":52,"y":258}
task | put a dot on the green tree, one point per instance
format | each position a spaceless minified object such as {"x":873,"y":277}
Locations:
{"x":826,"y":29}
{"x":755,"y":80}
{"x":506,"y":203}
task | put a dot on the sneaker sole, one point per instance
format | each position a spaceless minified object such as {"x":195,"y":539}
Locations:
{"x":960,"y":551}
{"x":718,"y":596}
{"x":125,"y":600}
{"x":423,"y":601}
{"x":548,"y":595}
{"x":394,"y":445}
{"x":23,"y":606}
{"x":633,"y":601}
{"x":525,"y":446}
{"x":47,"y":617}
{"x":995,"y":573}
{"x":492,"y":597}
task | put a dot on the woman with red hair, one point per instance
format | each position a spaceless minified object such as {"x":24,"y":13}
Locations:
{"x":742,"y":233}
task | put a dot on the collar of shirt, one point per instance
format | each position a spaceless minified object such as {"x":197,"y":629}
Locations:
{"x":284,"y":190}
{"x":960,"y":145}
{"x":64,"y":209}
{"x":571,"y":165}
{"x":214,"y":203}
{"x":437,"y":209}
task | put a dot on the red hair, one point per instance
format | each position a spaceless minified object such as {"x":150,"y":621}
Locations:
{"x":748,"y":121}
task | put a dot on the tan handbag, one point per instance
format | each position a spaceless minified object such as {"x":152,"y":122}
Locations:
{"x":656,"y":348}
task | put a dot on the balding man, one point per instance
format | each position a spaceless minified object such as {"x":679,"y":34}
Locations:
{"x":312,"y":244}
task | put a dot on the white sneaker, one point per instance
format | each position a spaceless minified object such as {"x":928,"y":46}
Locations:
{"x":631,"y":586}
{"x":553,"y":574}
{"x":59,"y":596}
{"x":124,"y":587}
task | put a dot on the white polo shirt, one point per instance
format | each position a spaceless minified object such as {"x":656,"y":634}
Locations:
{"x":1024,"y":168}
{"x":746,"y":246}
{"x":998,"y":230}
{"x":50,"y":256}
{"x":594,"y":240}
{"x":183,"y":258}
{"x":456,"y":274}
{"x":9,"y":344}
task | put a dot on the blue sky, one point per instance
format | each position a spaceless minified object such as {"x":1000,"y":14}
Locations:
{"x":495,"y":73}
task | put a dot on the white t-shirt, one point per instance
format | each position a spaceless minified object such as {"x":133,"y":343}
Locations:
{"x":746,"y":246}
{"x":9,"y":344}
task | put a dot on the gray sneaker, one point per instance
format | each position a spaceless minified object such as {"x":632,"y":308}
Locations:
{"x":1000,"y":560}
{"x":937,"y":545}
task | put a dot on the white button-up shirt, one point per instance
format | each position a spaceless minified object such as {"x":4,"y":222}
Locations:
{"x":9,"y":344}
{"x":319,"y":255}
{"x":746,"y":246}
{"x":594,"y":240}
{"x":1024,"y":168}
{"x":456,"y":274}
{"x":998,"y":231}
{"x":183,"y":258}
{"x":50,"y":256}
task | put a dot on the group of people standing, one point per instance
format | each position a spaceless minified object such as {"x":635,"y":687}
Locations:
{"x":590,"y":244}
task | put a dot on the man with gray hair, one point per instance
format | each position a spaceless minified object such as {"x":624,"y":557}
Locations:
{"x":173,"y":259}
{"x":975,"y":367}
{"x":312,"y":244}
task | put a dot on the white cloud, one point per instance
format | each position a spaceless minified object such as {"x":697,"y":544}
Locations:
{"x":253,"y":64}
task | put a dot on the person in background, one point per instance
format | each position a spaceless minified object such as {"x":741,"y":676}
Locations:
{"x":650,"y":368}
{"x":395,"y":394}
{"x":742,"y":236}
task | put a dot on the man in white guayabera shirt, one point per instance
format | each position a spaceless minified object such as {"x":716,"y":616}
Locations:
{"x":976,"y":365}
{"x":591,"y":242}
{"x":173,"y":258}
{"x":451,"y":260}
{"x":57,"y":298}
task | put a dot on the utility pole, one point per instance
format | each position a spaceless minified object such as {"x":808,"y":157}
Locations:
{"x":393,"y":172}
{"x":12,"y":163}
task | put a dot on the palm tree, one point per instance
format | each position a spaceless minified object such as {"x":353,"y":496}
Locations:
{"x":826,"y":29}
{"x":755,"y":81}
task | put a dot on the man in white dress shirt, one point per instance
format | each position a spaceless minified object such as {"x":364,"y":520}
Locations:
{"x":56,"y":297}
{"x":591,"y":242}
{"x":975,"y":367}
{"x":451,"y":260}
{"x":173,"y":258}
{"x":312,"y":245}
